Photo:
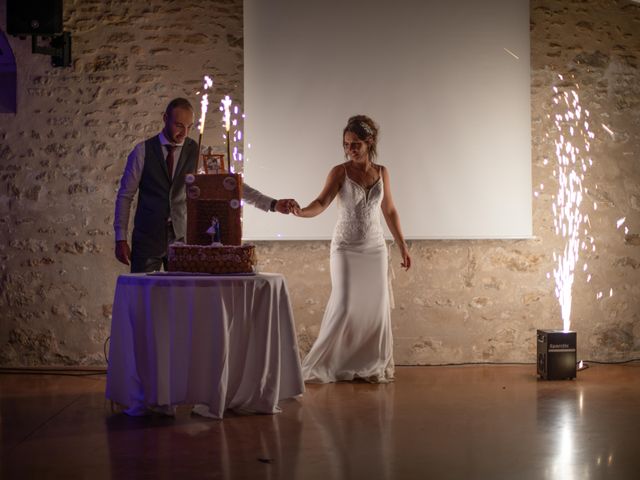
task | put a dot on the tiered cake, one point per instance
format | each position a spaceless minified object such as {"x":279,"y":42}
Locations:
{"x":214,"y":211}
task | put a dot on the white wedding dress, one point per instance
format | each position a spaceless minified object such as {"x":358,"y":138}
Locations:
{"x":355,"y":339}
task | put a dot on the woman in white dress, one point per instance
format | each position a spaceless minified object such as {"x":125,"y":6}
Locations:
{"x":355,"y":340}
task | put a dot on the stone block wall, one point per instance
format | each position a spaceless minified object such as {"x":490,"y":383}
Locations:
{"x":62,"y":154}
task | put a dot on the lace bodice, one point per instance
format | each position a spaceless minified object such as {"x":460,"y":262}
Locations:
{"x":359,"y":214}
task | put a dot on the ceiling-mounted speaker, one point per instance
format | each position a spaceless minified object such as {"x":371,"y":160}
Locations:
{"x":34,"y":17}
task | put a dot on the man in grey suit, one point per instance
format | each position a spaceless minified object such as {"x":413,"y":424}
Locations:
{"x":155,"y":170}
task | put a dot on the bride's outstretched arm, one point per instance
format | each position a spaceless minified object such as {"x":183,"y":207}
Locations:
{"x":328,"y":193}
{"x":392,"y":218}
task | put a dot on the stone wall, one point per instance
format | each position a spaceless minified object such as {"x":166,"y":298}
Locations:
{"x":62,"y":154}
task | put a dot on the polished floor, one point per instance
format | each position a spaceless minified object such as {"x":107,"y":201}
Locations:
{"x":474,"y":422}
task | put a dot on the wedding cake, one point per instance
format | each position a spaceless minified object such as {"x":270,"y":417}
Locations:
{"x":211,"y":258}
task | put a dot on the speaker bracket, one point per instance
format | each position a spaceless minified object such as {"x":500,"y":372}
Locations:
{"x":59,"y":48}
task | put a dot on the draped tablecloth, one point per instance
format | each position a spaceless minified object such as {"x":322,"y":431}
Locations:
{"x":225,"y":341}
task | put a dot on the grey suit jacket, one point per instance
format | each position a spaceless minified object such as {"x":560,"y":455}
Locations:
{"x":161,"y":198}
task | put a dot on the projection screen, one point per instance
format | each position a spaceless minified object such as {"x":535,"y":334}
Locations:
{"x":448,"y":83}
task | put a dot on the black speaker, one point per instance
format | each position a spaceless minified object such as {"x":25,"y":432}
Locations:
{"x":34,"y":17}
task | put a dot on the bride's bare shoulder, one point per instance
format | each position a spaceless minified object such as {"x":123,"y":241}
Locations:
{"x":381,"y":168}
{"x":338,"y":170}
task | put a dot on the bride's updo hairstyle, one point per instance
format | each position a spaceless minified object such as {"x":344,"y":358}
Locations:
{"x":364,"y":128}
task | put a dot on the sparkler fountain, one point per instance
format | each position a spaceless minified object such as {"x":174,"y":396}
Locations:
{"x":572,"y":145}
{"x":233,"y":132}
{"x":557,"y":349}
{"x":204,"y":102}
{"x":226,"y":120}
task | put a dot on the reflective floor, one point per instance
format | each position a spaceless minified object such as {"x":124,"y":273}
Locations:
{"x":477,"y":422}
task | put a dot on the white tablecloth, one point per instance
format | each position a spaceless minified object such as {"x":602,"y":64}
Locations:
{"x":225,"y":341}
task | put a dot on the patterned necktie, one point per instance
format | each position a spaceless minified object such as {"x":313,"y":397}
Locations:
{"x":170,"y":149}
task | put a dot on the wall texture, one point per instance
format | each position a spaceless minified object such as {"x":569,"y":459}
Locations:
{"x":62,"y":154}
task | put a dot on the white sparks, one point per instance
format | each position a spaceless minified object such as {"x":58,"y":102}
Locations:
{"x":511,"y":53}
{"x":204,"y":102}
{"x":232,"y":122}
{"x":569,"y":222}
{"x":226,"y":118}
{"x":620,"y":222}
{"x":598,"y":295}
{"x":608,"y":130}
{"x":610,"y":292}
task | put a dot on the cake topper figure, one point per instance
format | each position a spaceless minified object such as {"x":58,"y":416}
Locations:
{"x":214,"y":231}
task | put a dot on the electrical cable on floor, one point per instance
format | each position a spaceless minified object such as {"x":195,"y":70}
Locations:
{"x":466,"y":363}
{"x":59,"y":368}
{"x":631,"y":360}
{"x":612,"y":362}
{"x":66,"y":372}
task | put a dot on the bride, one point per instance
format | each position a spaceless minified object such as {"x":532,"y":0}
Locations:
{"x":355,"y":340}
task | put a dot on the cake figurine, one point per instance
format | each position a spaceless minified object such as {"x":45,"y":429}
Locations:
{"x":214,"y":232}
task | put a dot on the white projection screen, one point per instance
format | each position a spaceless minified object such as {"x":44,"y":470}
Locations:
{"x":448,"y":83}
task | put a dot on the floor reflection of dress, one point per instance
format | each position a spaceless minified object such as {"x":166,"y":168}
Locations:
{"x":355,"y":339}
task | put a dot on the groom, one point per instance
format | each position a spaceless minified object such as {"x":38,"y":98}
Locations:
{"x":155,"y":170}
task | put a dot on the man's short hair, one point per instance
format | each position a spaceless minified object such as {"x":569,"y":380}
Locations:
{"x":178,"y":103}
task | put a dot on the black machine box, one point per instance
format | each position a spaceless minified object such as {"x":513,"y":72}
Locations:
{"x":556,"y":354}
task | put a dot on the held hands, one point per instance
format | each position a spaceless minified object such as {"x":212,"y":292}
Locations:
{"x":302,"y":212}
{"x":123,"y":252}
{"x":287,"y":206}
